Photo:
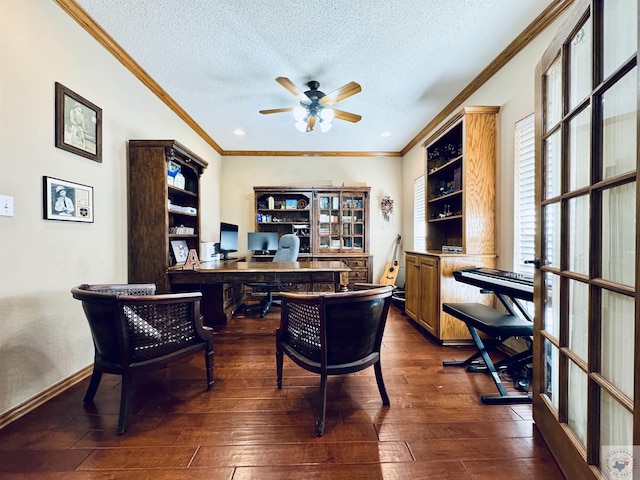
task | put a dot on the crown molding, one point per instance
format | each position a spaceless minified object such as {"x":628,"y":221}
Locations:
{"x":291,"y":153}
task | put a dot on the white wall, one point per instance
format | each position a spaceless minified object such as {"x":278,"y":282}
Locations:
{"x":382,"y":174}
{"x":513,"y":90}
{"x":44,"y":337}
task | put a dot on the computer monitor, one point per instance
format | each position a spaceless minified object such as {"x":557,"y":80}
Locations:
{"x":228,"y":239}
{"x":262,"y":242}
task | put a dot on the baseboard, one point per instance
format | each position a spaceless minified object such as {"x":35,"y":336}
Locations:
{"x":34,"y":402}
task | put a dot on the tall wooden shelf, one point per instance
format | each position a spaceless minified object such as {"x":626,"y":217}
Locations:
{"x":153,"y":212}
{"x":332,"y":223}
{"x":460,"y":166}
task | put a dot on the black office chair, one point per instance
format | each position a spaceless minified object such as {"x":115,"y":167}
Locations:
{"x":288,"y":249}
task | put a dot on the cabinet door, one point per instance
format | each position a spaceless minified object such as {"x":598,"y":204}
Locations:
{"x":430,"y":294}
{"x":412,"y":286}
{"x":329,"y":238}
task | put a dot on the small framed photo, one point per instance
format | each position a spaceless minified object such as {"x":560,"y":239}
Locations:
{"x":67,"y":201}
{"x":291,"y":204}
{"x":180,"y":250}
{"x":78,"y":124}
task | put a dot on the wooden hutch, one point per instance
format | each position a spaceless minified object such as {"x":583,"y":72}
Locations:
{"x":460,"y":208}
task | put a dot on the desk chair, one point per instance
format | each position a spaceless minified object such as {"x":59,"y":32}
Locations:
{"x":288,"y":249}
{"x":333,"y":334}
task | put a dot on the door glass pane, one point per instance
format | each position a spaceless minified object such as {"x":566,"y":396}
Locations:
{"x":620,"y":33}
{"x":577,"y":406}
{"x":551,"y":372}
{"x":553,"y":97}
{"x":552,"y":303}
{"x":552,"y":166}
{"x":619,"y":234}
{"x":617,"y":347}
{"x":580,"y":65}
{"x":580,"y":150}
{"x":579,"y":318}
{"x":619,"y":129}
{"x":616,"y":433}
{"x":579,"y":234}
{"x":552,"y":235}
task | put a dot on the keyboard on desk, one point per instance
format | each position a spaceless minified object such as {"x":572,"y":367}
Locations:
{"x":516,"y":285}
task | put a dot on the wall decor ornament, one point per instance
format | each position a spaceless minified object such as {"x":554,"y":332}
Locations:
{"x":387,"y":207}
{"x":67,"y":201}
{"x":78,"y":124}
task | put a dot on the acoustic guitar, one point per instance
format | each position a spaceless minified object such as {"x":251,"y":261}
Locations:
{"x":391,"y":269}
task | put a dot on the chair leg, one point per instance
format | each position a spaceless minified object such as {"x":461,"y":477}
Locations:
{"x":208,"y":360}
{"x":279,"y":360}
{"x":96,"y":376}
{"x":383,"y":391}
{"x":267,"y":304}
{"x":125,"y":401}
{"x":323,"y":405}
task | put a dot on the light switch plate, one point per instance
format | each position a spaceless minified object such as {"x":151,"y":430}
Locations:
{"x":6,"y":206}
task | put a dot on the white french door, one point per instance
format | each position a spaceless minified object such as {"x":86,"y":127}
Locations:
{"x":587,"y":330}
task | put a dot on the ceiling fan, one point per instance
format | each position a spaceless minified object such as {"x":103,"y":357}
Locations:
{"x":314,"y":105}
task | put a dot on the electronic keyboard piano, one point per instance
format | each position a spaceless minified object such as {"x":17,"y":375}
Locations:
{"x":511,"y":284}
{"x":510,"y":288}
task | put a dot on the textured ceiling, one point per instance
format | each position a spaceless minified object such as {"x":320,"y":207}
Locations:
{"x":218,"y":59}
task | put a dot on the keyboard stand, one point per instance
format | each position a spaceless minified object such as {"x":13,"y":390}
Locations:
{"x":499,"y":326}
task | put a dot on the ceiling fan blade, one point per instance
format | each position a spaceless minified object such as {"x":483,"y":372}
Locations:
{"x":341,"y":93}
{"x":311,"y":123}
{"x":277,"y":110}
{"x":293,"y":89}
{"x":348,"y":116}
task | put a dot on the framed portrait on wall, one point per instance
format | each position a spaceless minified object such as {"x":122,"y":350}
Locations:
{"x":67,"y":201}
{"x":78,"y":124}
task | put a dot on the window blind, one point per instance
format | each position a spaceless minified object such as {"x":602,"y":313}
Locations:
{"x":524,"y":195}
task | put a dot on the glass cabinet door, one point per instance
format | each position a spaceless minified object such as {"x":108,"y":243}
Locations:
{"x":341,"y":222}
{"x":352,"y":222}
{"x":329,"y":234}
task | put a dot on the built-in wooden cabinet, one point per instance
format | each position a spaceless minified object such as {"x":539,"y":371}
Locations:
{"x":161,"y":208}
{"x":429,"y":283}
{"x":332,"y":223}
{"x":460,"y":164}
{"x":460,"y":187}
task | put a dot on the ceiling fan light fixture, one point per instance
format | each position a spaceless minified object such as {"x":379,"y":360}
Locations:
{"x":325,"y":127}
{"x":299,"y":113}
{"x":327,"y":114}
{"x":301,"y":126}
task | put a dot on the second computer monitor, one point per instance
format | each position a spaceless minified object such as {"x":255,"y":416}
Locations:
{"x":262,"y":242}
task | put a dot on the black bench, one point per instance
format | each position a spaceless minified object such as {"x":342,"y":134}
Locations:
{"x":499,"y":327}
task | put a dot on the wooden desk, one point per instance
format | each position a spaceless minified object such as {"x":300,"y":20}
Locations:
{"x":210,"y":277}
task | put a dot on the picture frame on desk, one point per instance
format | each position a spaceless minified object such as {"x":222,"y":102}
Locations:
{"x":179,"y":251}
{"x":67,"y":201}
{"x":78,"y":124}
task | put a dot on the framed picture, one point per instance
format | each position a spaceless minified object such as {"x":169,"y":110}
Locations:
{"x":78,"y":124}
{"x":180,"y":250}
{"x":67,"y":201}
{"x":291,"y":204}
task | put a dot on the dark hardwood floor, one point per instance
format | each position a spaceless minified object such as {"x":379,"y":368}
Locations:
{"x":245,"y":428}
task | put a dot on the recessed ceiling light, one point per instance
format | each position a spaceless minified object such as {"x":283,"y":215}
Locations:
{"x":386,"y":133}
{"x":239,"y":132}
